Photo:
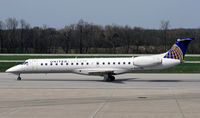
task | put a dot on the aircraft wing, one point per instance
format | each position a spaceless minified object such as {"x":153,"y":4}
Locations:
{"x":101,"y":71}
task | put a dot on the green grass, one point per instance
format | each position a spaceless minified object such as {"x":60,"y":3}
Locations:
{"x":182,"y":68}
{"x":6,"y":65}
{"x":187,"y":58}
{"x":43,"y":57}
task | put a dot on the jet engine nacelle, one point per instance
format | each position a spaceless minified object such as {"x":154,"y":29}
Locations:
{"x":147,"y":61}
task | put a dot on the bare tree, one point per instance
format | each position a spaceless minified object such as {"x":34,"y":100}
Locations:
{"x":1,"y":35}
{"x":80,"y":28}
{"x":82,"y":37}
{"x":138,"y":35}
{"x":11,"y":23}
{"x":23,"y":26}
{"x":67,"y":37}
{"x":23,"y":23}
{"x":164,"y":25}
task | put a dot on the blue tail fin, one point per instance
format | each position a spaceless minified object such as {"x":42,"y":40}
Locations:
{"x":179,"y":49}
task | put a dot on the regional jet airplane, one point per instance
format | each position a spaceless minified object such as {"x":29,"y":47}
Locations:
{"x":106,"y":67}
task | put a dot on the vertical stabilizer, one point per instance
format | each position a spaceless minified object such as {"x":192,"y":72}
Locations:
{"x":179,"y":49}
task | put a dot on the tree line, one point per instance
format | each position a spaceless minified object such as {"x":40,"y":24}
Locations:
{"x":17,"y":36}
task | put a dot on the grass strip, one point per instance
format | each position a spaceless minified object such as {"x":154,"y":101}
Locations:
{"x":52,"y":57}
{"x":182,"y":68}
{"x":5,"y":65}
{"x":187,"y":58}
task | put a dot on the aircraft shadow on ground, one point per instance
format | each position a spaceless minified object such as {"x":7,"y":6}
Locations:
{"x":158,"y":80}
{"x":138,"y":80}
{"x":119,"y":81}
{"x":89,"y":80}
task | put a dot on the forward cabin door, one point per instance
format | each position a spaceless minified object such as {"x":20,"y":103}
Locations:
{"x":34,"y":64}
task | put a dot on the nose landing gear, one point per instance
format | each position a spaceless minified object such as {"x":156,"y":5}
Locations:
{"x":19,"y":78}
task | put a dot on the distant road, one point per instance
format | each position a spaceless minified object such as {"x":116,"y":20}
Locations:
{"x":193,"y":55}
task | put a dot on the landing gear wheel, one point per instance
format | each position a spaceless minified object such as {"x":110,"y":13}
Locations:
{"x":109,"y":78}
{"x":112,"y":78}
{"x":19,"y":78}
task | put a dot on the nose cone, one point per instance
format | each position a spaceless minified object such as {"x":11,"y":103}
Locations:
{"x":14,"y":69}
{"x":8,"y":70}
{"x":11,"y":70}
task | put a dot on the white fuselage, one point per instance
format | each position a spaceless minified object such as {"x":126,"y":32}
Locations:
{"x":106,"y":67}
{"x":94,"y":66}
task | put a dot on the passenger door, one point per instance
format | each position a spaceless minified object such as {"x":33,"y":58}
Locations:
{"x":34,"y":65}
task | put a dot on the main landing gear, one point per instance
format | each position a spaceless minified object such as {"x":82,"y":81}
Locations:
{"x":109,"y":78}
{"x":19,"y":78}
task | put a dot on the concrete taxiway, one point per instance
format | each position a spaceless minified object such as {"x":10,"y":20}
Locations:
{"x":77,"y":96}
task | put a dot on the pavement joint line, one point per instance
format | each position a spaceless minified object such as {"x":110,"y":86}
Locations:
{"x":174,"y":93}
{"x":178,"y":104}
{"x":12,"y":110}
{"x":103,"y":104}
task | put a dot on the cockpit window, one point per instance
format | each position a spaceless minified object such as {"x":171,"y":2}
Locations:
{"x":25,"y":63}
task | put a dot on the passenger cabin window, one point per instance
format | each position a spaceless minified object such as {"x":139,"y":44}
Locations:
{"x":71,"y":63}
{"x":108,"y":63}
{"x":97,"y":63}
{"x":66,"y":63}
{"x":56,"y":63}
{"x":81,"y":63}
{"x":118,"y":63}
{"x":103,"y":63}
{"x":87,"y":63}
{"x":129,"y":63}
{"x":76,"y":63}
{"x":61,"y":64}
{"x":124,"y":63}
{"x":46,"y":64}
{"x":113,"y":63}
{"x":41,"y":64}
{"x":51,"y":64}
